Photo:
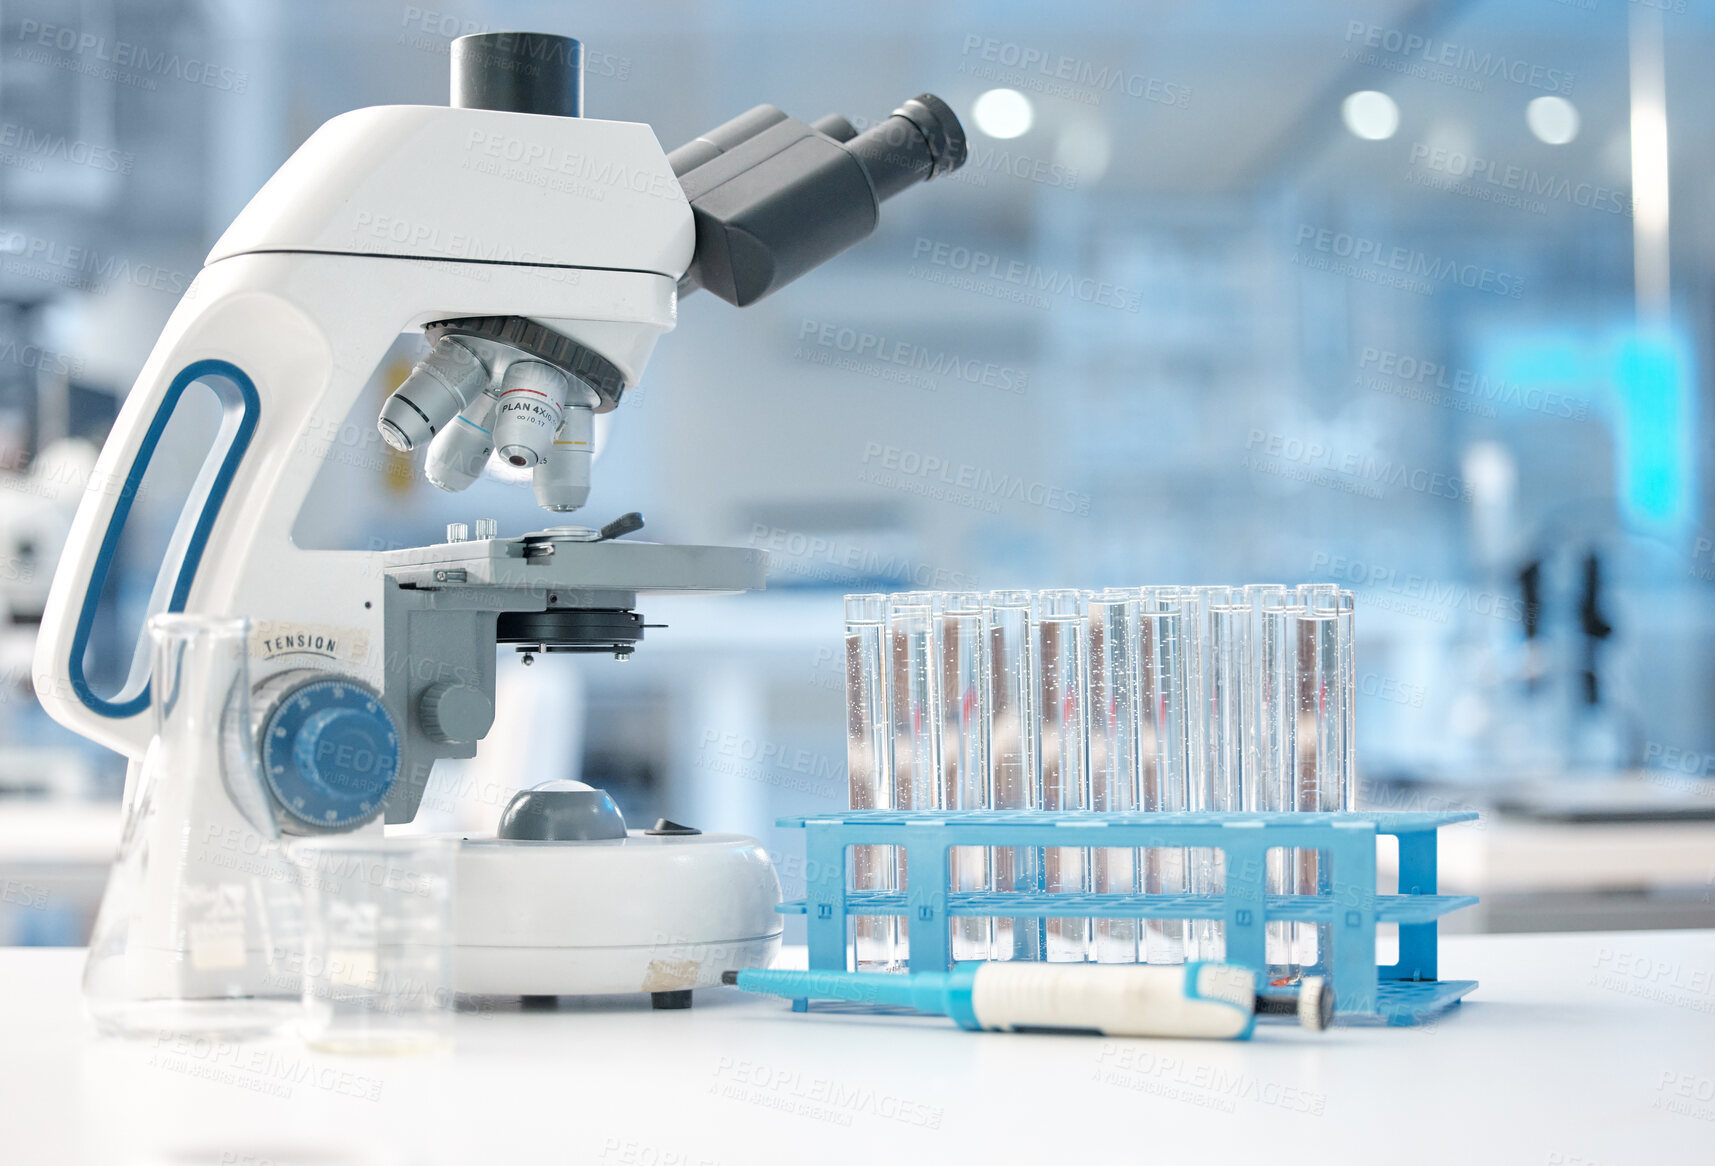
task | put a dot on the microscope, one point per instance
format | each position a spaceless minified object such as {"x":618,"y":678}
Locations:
{"x":542,"y":254}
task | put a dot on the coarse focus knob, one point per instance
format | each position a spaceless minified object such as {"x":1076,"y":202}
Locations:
{"x":455,"y":714}
{"x":330,"y":753}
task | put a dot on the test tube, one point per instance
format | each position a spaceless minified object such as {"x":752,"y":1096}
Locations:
{"x":914,"y":712}
{"x":1277,"y":729}
{"x":1166,"y":639}
{"x":1062,"y":628}
{"x":964,"y":753}
{"x":1013,"y":759}
{"x":868,"y":765}
{"x":1324,"y":691}
{"x":1223,"y":783}
{"x":1113,"y":759}
{"x":1347,"y":606}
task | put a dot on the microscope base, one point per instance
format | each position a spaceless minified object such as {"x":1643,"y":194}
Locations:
{"x":644,"y":913}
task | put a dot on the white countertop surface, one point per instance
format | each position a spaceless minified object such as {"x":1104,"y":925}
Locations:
{"x":1575,"y":1050}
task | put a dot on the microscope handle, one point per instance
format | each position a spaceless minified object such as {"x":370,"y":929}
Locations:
{"x":91,"y":551}
{"x":198,"y":346}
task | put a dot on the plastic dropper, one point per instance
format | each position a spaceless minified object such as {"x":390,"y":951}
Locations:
{"x":1209,"y":1000}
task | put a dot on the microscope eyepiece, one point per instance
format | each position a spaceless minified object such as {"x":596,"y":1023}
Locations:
{"x":920,"y":140}
{"x":774,"y":197}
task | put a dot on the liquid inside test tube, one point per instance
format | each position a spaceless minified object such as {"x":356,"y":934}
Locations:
{"x":965,"y":694}
{"x":1113,"y":761}
{"x":1165,"y":639}
{"x":1277,"y":785}
{"x":1324,"y":690}
{"x":1062,"y":629}
{"x":1222,"y":784}
{"x":868,"y":764}
{"x":1013,"y":759}
{"x":914,"y":720}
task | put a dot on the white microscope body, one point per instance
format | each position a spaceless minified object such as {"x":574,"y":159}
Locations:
{"x":530,"y":237}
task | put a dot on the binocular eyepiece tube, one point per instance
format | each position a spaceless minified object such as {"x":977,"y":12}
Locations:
{"x":774,"y":197}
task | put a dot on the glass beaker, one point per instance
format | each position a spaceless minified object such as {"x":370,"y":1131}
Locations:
{"x":378,"y":921}
{"x":199,"y":923}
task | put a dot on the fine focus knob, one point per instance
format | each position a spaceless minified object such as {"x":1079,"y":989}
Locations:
{"x":330,"y":754}
{"x":455,"y":714}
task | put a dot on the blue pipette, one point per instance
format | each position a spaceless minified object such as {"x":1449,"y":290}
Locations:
{"x":1183,"y":1000}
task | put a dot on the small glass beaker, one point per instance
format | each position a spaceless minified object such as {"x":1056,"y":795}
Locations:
{"x":378,"y":928}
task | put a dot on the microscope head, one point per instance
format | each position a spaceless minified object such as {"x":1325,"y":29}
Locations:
{"x":771,"y":198}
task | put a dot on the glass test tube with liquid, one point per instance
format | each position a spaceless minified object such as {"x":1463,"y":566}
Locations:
{"x":1013,"y":759}
{"x":964,"y":702}
{"x":1165,"y":640}
{"x":1113,"y":760}
{"x":875,"y":938}
{"x":914,"y":719}
{"x":1062,"y":629}
{"x":1226,"y":774}
{"x":1324,"y":691}
{"x":1278,"y":727}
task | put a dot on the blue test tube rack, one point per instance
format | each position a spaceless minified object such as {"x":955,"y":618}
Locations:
{"x":1402,"y":993}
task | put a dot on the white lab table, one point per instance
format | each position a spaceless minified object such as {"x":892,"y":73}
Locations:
{"x":1575,"y":1050}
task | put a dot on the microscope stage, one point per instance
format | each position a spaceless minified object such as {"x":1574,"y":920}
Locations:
{"x":542,"y":560}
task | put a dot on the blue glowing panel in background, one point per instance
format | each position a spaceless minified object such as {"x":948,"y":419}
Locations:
{"x":1640,"y":385}
{"x":1654,"y":417}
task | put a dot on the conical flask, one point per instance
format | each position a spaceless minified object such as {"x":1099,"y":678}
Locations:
{"x":199,"y":927}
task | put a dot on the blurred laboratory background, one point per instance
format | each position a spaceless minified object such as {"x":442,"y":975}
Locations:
{"x":1412,"y":296}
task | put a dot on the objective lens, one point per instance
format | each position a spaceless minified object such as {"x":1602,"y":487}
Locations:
{"x":532,"y":404}
{"x":444,"y":382}
{"x":562,"y":481}
{"x":458,"y":452}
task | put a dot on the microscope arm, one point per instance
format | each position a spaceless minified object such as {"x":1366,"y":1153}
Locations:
{"x":287,"y":341}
